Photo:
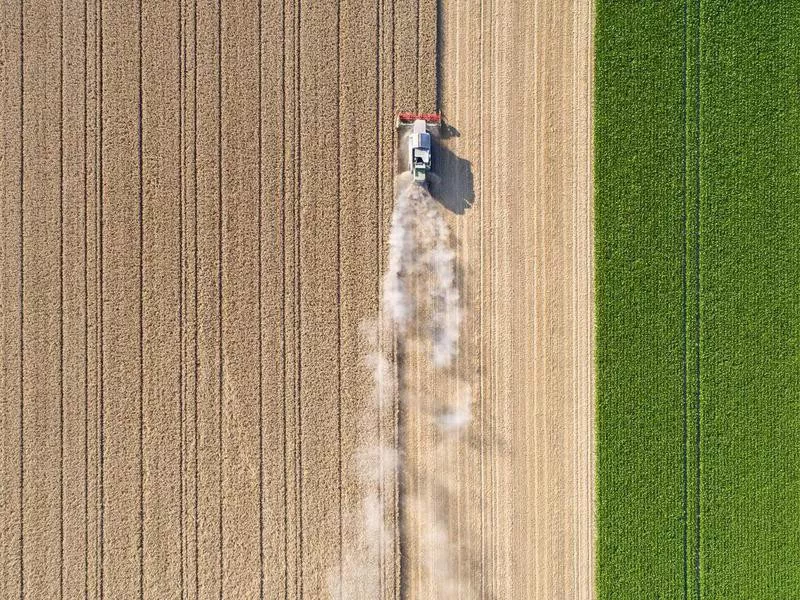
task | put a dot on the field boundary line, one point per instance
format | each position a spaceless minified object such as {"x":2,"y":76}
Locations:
{"x":691,"y":301}
{"x":685,"y":366}
{"x":698,"y":68}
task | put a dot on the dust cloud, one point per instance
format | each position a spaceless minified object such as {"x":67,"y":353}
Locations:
{"x":420,"y":300}
{"x":419,"y":247}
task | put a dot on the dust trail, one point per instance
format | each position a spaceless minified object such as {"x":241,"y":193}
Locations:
{"x":446,"y":313}
{"x":419,"y":287}
{"x":372,"y":520}
{"x":419,"y":246}
{"x":397,"y":301}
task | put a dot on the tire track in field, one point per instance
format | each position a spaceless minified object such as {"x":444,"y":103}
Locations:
{"x":691,"y":294}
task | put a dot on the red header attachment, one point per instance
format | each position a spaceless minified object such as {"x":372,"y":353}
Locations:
{"x":410,"y":117}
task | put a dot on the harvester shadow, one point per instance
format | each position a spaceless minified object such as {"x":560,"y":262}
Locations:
{"x":454,"y":188}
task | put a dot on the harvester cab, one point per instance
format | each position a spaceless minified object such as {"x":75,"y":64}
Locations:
{"x":420,"y":147}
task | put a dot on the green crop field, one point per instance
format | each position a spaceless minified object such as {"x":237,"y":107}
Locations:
{"x":697,"y":170}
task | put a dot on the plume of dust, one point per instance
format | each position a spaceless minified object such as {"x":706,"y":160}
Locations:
{"x":359,"y":575}
{"x":445,"y":321}
{"x":419,"y":248}
{"x":435,"y":555}
{"x":397,"y":302}
{"x":419,"y":243}
{"x":458,"y":415}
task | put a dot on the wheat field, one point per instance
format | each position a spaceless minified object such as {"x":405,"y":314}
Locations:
{"x":196,"y":220}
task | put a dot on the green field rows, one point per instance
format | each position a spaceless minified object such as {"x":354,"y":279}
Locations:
{"x":697,"y":219}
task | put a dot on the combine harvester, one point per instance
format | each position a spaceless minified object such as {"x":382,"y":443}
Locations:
{"x":419,"y":128}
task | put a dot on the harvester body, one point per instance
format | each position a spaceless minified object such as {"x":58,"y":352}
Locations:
{"x":420,"y":143}
{"x":419,"y":151}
